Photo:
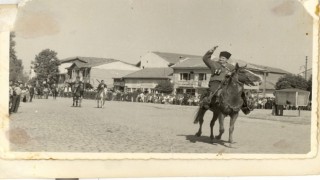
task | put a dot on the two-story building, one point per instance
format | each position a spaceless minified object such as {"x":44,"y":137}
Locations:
{"x":192,"y":76}
{"x":92,"y":70}
{"x":146,"y":79}
{"x":157,"y":59}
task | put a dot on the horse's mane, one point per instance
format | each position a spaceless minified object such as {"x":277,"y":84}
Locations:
{"x":231,"y":96}
{"x":248,"y":78}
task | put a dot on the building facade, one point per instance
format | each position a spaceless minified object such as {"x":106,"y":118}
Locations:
{"x":147,"y":79}
{"x":93,"y":70}
{"x":157,"y":59}
{"x":192,"y":76}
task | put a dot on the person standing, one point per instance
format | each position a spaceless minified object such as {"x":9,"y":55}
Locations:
{"x":17,"y":98}
{"x":11,"y":86}
{"x":54,"y":90}
{"x":31,"y":91}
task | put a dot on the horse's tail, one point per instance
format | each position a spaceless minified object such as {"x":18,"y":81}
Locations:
{"x":197,"y":116}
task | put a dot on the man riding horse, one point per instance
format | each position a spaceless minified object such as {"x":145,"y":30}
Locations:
{"x":226,"y":93}
{"x":77,"y":91}
{"x":101,"y":93}
{"x":220,"y":68}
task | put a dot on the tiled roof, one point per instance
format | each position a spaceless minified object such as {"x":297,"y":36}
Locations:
{"x":151,"y":73}
{"x":271,"y":82}
{"x":88,"y":61}
{"x":291,"y":90}
{"x":272,"y":69}
{"x":173,"y":58}
{"x":197,"y":63}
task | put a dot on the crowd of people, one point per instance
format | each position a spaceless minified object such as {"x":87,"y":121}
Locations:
{"x":18,"y":92}
{"x":26,"y":93}
{"x":138,"y":96}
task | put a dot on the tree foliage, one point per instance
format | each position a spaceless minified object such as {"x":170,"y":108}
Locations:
{"x":15,"y":64}
{"x":292,"y":81}
{"x":164,"y":87}
{"x":46,"y":66}
{"x":310,"y":86}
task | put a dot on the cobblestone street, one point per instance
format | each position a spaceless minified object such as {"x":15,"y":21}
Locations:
{"x":54,"y":126}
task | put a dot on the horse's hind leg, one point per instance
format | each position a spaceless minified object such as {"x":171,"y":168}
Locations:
{"x":77,"y":101}
{"x":221,"y":126}
{"x":102,"y":103}
{"x":214,"y":119}
{"x":233,"y":119}
{"x":200,"y":115}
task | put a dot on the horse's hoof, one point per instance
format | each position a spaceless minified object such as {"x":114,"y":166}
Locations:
{"x":198,"y":134}
{"x":218,"y":137}
{"x":212,"y":137}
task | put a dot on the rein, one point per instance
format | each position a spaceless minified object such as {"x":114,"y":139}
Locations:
{"x":223,"y":82}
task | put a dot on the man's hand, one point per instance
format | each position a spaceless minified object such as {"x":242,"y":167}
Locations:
{"x":213,"y":49}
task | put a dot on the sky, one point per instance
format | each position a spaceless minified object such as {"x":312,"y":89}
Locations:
{"x":276,"y":33}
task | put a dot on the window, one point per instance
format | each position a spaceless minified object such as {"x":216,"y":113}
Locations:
{"x":191,"y":91}
{"x":179,"y":91}
{"x":202,"y":76}
{"x":184,"y":76}
{"x":191,"y":76}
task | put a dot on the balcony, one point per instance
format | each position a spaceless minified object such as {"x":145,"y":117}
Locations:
{"x":192,"y":83}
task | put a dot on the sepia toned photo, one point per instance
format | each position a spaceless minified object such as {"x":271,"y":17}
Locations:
{"x":179,"y":79}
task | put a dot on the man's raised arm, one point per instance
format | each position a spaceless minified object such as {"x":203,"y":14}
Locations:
{"x":207,"y":58}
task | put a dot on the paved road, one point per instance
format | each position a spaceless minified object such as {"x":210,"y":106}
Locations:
{"x":53,"y":126}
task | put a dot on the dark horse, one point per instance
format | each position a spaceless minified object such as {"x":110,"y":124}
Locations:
{"x":229,"y":102}
{"x":77,"y":93}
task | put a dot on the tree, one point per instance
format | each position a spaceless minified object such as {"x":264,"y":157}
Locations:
{"x":46,"y":66}
{"x":310,"y":86}
{"x":291,"y":81}
{"x":164,"y":87}
{"x":15,"y":64}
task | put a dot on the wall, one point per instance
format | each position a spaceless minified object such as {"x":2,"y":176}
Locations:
{"x":142,"y":83}
{"x":153,"y":60}
{"x":118,"y":65}
{"x":190,"y":84}
{"x":106,"y":75}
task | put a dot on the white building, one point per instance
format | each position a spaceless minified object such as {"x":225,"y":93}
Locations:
{"x":162,"y":59}
{"x":91,"y":70}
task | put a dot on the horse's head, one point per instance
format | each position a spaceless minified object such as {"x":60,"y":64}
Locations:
{"x":232,"y":90}
{"x":244,"y":76}
{"x":233,"y":76}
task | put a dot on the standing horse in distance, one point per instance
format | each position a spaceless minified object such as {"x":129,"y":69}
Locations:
{"x":77,"y":90}
{"x":101,"y":94}
{"x":229,"y":102}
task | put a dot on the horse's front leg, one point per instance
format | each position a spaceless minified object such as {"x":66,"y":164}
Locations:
{"x":221,"y":125}
{"x":200,"y":115}
{"x":213,"y":120}
{"x":102,"y":102}
{"x":233,"y":119}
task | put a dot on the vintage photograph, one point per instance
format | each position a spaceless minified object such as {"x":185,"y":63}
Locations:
{"x":163,"y":77}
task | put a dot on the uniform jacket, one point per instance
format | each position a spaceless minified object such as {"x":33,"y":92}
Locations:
{"x":218,"y":70}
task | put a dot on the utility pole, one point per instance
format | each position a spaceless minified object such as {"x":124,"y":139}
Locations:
{"x":306,"y":68}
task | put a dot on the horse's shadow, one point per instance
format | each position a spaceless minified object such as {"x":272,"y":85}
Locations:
{"x":206,"y":139}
